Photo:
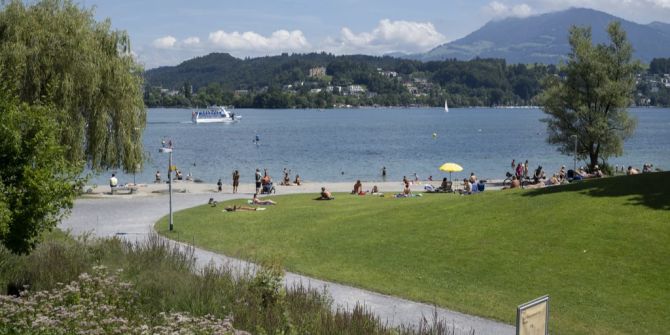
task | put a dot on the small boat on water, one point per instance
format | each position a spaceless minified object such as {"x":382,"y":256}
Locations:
{"x":214,"y":114}
{"x":446,"y":107}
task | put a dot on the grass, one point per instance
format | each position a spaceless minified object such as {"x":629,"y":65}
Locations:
{"x":599,"y":248}
{"x":165,"y":280}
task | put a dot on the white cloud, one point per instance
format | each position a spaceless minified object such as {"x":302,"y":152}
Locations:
{"x":660,"y":3}
{"x":191,"y":41}
{"x":388,"y":36}
{"x":166,"y":42}
{"x":280,"y":40}
{"x":501,"y":10}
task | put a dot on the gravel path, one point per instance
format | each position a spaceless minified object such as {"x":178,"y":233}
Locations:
{"x":134,"y":217}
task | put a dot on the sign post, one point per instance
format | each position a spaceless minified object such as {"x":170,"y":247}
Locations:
{"x":532,"y":318}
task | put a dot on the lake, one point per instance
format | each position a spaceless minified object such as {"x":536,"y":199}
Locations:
{"x":350,"y":144}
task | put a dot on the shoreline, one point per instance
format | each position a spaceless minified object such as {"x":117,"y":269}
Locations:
{"x":189,"y":187}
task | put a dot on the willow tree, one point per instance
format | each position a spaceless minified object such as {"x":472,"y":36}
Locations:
{"x":55,"y":53}
{"x":70,"y":93}
{"x":590,"y":100}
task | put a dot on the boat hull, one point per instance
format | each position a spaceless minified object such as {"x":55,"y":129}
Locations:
{"x":214,"y":120}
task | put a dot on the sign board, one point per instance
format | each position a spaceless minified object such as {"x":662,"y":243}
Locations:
{"x":532,"y":318}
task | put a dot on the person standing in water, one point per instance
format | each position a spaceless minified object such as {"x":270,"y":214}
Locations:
{"x":383,"y":172}
{"x":220,"y":185}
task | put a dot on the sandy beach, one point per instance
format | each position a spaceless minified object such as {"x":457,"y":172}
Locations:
{"x":158,"y":189}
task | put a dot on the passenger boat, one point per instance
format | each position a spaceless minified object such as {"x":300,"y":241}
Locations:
{"x":214,"y":114}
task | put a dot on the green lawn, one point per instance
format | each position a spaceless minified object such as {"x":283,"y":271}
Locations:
{"x":600,"y":249}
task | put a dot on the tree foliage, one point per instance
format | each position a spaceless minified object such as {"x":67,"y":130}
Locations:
{"x":37,"y":182}
{"x":53,"y":52}
{"x":659,"y":66}
{"x":590,"y":101}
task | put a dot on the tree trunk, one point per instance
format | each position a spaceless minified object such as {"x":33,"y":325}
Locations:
{"x":593,"y":156}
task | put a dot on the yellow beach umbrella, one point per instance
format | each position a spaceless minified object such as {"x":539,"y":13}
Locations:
{"x":451,"y":167}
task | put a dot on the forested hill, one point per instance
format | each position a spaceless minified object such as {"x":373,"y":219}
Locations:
{"x":320,"y":80}
{"x":324,"y":80}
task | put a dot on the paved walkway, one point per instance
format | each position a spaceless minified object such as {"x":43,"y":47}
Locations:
{"x":133,"y":217}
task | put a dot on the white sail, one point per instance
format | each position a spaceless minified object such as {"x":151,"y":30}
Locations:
{"x":446,"y":107}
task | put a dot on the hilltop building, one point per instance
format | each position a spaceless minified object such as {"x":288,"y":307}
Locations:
{"x":317,"y":72}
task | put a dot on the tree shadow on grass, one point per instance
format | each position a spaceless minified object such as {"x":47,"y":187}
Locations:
{"x":651,"y":190}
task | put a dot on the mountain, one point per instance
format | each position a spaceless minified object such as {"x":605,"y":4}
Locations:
{"x":544,"y":38}
{"x":661,"y":26}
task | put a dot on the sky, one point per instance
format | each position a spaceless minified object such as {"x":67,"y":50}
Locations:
{"x":168,"y":32}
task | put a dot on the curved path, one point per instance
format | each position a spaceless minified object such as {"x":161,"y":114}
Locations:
{"x":134,"y":217}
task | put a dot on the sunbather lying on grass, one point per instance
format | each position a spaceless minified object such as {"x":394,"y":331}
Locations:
{"x":236,"y":208}
{"x":266,"y":202}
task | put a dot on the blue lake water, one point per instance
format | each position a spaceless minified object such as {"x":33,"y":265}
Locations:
{"x":350,"y":144}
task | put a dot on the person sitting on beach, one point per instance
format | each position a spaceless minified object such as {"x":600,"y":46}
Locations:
{"x":445,"y":186}
{"x":467,"y":187}
{"x":158,"y":177}
{"x":212,"y":202}
{"x":631,"y":171}
{"x":375,"y":190}
{"x":179,"y":176}
{"x":325,"y":195}
{"x":538,"y":175}
{"x":473,"y":178}
{"x":647,"y":168}
{"x":597,"y":173}
{"x":561,"y":174}
{"x":236,"y":208}
{"x":358,"y":188}
{"x":405,"y":180}
{"x":516,"y":183}
{"x":265,"y":202}
{"x":287,"y":179}
{"x":297,"y":180}
{"x":406,"y":190}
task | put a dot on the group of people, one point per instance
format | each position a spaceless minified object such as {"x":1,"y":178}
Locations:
{"x":177,"y":176}
{"x":286,"y":181}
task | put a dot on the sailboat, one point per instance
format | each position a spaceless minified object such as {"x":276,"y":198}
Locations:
{"x":446,"y":107}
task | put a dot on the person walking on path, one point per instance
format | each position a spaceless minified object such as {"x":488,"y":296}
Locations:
{"x":220,"y":185}
{"x":236,"y":180}
{"x":258,"y":180}
{"x":113,"y":183}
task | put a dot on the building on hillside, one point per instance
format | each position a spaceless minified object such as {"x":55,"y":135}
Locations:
{"x":355,"y":89}
{"x":388,"y":74}
{"x":169,"y":92}
{"x":334,"y":89}
{"x":317,"y":72}
{"x":411,"y":88}
{"x":315,"y":91}
{"x":241,"y":92}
